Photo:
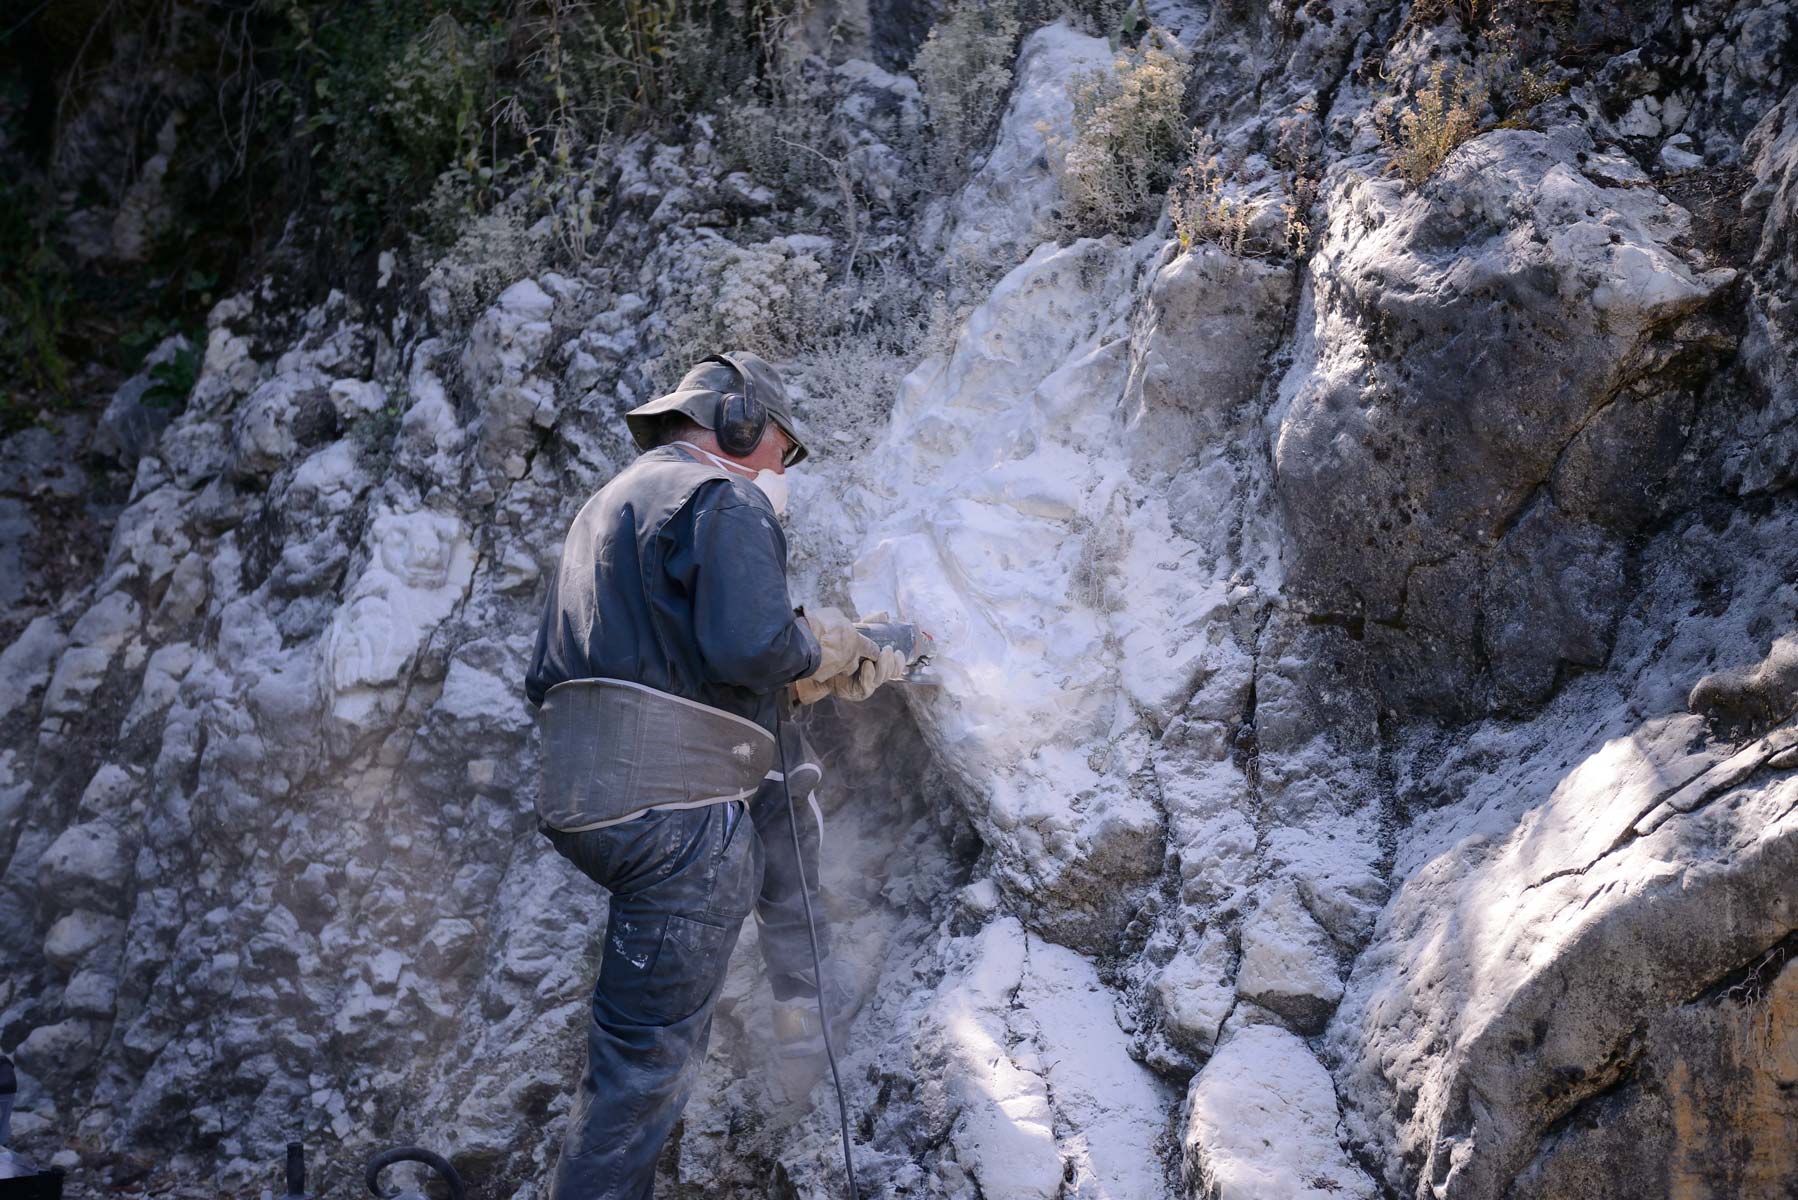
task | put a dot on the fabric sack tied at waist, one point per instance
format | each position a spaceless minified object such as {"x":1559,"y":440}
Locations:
{"x":612,"y":749}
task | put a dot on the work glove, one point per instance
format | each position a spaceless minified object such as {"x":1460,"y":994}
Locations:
{"x":844,"y":647}
{"x":886,"y":665}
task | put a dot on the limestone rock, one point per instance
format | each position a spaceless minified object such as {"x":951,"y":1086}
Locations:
{"x":77,"y":934}
{"x":996,"y":219}
{"x":1195,"y":992}
{"x":59,"y":1053}
{"x":1046,"y":1097}
{"x":1261,"y":1121}
{"x":87,"y":866}
{"x":131,"y":424}
{"x":25,"y":663}
{"x":1288,"y":962}
{"x":420,"y":566}
{"x":1421,"y":440}
{"x":1389,"y":635}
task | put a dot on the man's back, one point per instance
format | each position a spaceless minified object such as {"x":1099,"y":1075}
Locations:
{"x":673,"y":576}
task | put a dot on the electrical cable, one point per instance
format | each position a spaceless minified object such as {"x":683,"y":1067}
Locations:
{"x":811,"y":927}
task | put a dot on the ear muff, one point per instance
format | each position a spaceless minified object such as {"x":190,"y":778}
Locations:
{"x":742,"y":418}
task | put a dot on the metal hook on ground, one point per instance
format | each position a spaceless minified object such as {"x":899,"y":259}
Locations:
{"x":371,"y":1175}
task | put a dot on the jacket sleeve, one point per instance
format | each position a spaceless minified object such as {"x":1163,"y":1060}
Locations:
{"x":742,"y":616}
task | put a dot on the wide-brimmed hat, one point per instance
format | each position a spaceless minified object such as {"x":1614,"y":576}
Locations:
{"x":704,"y":386}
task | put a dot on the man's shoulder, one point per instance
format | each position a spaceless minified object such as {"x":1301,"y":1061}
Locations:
{"x":659,"y":472}
{"x":731,"y":492}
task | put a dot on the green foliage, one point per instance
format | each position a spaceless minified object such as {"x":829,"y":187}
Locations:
{"x":1128,"y":133}
{"x":381,"y":102}
{"x":173,"y":381}
{"x":35,"y":295}
{"x":1204,"y":209}
{"x":419,"y":117}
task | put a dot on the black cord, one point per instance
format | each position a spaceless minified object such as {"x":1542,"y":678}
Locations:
{"x":811,"y":927}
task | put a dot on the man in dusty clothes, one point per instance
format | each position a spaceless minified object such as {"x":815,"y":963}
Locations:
{"x":662,"y":672}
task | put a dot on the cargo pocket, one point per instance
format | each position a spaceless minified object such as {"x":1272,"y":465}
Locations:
{"x":737,"y":871}
{"x":701,"y":952}
{"x":658,"y":969}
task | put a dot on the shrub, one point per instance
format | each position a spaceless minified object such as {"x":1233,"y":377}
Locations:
{"x":1441,"y":117}
{"x":493,"y":250}
{"x":767,"y":297}
{"x":964,"y":72}
{"x":35,"y":294}
{"x":1200,"y":210}
{"x":781,"y":134}
{"x":1128,"y":131}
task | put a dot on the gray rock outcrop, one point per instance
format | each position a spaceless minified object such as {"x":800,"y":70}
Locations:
{"x":1366,"y":756}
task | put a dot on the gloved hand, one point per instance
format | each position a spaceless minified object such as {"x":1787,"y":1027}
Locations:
{"x":843,"y":644}
{"x":809,"y":691}
{"x":887,"y":665}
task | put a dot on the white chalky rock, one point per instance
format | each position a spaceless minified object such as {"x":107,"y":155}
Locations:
{"x":510,"y":335}
{"x":1006,"y":534}
{"x":91,"y":993}
{"x":355,"y":398}
{"x":60,"y":1051}
{"x":1196,"y":990}
{"x":419,"y":571}
{"x":108,"y":791}
{"x":1078,"y":597}
{"x":263,"y":432}
{"x":1261,"y":1124}
{"x":447,"y":944}
{"x":185,"y":596}
{"x":330,"y":481}
{"x":1288,"y":963}
{"x":480,"y":699}
{"x":162,"y":679}
{"x":108,"y":623}
{"x":1018,"y":1074}
{"x":429,"y":437}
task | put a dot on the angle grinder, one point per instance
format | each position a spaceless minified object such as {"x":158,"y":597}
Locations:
{"x":914,"y":644}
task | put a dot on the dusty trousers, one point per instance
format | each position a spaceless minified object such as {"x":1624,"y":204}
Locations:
{"x":780,"y":909}
{"x":681,"y":883}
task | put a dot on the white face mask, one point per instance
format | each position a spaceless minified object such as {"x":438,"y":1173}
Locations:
{"x":772,"y":483}
{"x":774,"y":486}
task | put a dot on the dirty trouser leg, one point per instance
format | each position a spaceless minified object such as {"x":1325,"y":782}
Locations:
{"x":681,"y":884}
{"x":780,"y":912}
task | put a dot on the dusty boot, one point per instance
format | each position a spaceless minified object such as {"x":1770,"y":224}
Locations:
{"x":797,"y":1029}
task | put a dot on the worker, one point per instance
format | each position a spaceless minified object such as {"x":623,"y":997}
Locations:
{"x":663,"y":672}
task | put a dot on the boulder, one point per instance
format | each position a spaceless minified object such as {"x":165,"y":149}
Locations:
{"x":1261,"y":1121}
{"x":87,"y":866}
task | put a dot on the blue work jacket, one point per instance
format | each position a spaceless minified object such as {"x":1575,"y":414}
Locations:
{"x":674,"y":576}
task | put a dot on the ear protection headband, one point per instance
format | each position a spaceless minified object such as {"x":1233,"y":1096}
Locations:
{"x":742,"y":418}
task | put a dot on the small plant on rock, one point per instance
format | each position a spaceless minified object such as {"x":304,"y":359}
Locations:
{"x":1128,"y":130}
{"x":1442,"y":116}
{"x":1200,"y":210}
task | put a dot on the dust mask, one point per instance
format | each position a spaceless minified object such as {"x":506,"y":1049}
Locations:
{"x":772,"y":483}
{"x":774,"y":486}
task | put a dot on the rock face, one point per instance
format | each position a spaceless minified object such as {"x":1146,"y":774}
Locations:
{"x":1366,"y":755}
{"x":1497,"y":394}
